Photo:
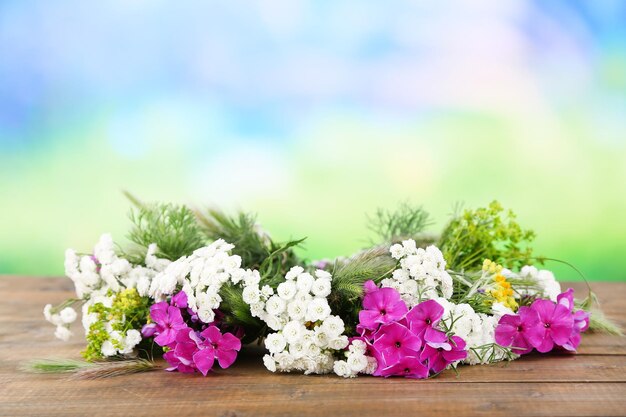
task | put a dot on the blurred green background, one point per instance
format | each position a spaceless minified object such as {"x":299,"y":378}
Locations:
{"x":313,"y":114}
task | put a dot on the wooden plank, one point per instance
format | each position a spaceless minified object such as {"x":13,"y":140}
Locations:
{"x":592,"y":383}
{"x":531,"y":368}
{"x":193,"y":396}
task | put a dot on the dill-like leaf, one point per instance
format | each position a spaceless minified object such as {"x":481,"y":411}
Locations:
{"x":174,"y":228}
{"x":349,"y":276}
{"x":405,"y":222}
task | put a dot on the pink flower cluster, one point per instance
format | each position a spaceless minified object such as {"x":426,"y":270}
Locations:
{"x":191,"y":345}
{"x":406,"y":342}
{"x":543,"y":326}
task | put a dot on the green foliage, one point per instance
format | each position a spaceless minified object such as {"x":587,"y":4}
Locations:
{"x":90,"y":370}
{"x":53,"y":366}
{"x":238,"y":313}
{"x":257,"y":251}
{"x":128,"y":311}
{"x":349,"y":276}
{"x":173,"y":228}
{"x":256,"y":248}
{"x":485,"y":233}
{"x":405,"y":222}
{"x":492,"y":352}
{"x":598,"y":322}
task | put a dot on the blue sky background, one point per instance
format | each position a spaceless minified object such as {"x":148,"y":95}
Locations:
{"x":313,"y":114}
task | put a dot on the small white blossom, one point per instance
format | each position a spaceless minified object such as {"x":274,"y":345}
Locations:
{"x":133,"y":337}
{"x":321,"y":287}
{"x":293,"y":331}
{"x":294,"y":272}
{"x":267,"y":291}
{"x":68,"y":315}
{"x":357,"y":362}
{"x":318,"y":309}
{"x":63,"y":333}
{"x":304,"y":282}
{"x":275,"y":305}
{"x":320,"y":338}
{"x":296,"y":310}
{"x":372,"y":365}
{"x":251,"y":295}
{"x":286,"y":290}
{"x":357,"y":346}
{"x":341,"y":368}
{"x":338,"y":343}
{"x":321,"y":274}
{"x":333,"y":326}
{"x":275,"y":342}
{"x":269,"y":363}
{"x":108,"y":349}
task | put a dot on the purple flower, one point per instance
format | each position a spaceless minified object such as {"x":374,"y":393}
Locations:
{"x":515,"y":330}
{"x":424,"y":316}
{"x":555,"y":327}
{"x":441,"y":353}
{"x":380,"y":305}
{"x":393,"y":342}
{"x":148,"y":330}
{"x":408,"y":366}
{"x":168,"y":322}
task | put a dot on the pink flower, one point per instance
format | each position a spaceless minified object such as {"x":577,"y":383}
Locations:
{"x":424,"y":316}
{"x":179,"y":300}
{"x":515,"y":330}
{"x":380,"y":305}
{"x":176,"y":364}
{"x":441,"y":353}
{"x":566,"y":299}
{"x":581,"y":319}
{"x":200,"y":350}
{"x":393,"y":342}
{"x":225,"y":346}
{"x":408,"y":366}
{"x":555,"y":326}
{"x":405,"y":343}
{"x":168,"y":321}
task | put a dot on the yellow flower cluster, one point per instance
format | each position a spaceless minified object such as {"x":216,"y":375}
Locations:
{"x":502,"y":291}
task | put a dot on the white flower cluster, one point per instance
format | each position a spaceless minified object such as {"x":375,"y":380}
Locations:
{"x":356,"y":361}
{"x":62,"y":320}
{"x":545,"y":280}
{"x":201,"y":275}
{"x":306,"y":334}
{"x":477,"y":329}
{"x":94,"y":275}
{"x":422,"y":274}
{"x":120,"y":344}
{"x":104,"y":270}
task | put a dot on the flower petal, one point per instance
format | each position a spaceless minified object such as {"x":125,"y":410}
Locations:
{"x":226,"y":357}
{"x":212,"y":334}
{"x":204,"y":359}
{"x":229,"y":342}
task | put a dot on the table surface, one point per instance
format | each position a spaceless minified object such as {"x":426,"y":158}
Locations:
{"x":590,"y":383}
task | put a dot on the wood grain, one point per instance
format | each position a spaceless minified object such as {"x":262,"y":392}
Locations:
{"x":591,"y":383}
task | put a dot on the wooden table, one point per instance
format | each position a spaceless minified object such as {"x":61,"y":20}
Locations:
{"x":591,"y":383}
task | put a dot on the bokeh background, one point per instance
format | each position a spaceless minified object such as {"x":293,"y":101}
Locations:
{"x":313,"y":114}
